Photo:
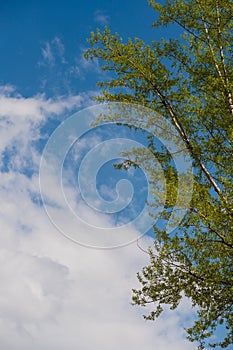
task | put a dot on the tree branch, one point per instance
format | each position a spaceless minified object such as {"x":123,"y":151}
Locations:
{"x":211,"y":228}
{"x":223,"y":77}
{"x":179,"y":127}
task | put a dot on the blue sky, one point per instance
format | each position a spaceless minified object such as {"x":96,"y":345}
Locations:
{"x":56,"y":294}
{"x":29,"y":26}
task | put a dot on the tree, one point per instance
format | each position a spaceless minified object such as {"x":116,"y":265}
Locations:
{"x":188,"y":80}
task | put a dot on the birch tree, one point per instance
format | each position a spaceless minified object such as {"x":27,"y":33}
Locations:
{"x":188,"y":80}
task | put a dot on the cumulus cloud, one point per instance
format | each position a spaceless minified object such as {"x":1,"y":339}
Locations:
{"x":21,"y":120}
{"x":55,"y":294}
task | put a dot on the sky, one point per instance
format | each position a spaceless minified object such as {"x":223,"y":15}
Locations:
{"x":58,"y":289}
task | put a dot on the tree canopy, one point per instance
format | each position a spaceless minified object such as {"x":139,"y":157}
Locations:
{"x":189,"y":81}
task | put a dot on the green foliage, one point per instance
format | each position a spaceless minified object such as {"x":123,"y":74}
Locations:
{"x":190,"y":82}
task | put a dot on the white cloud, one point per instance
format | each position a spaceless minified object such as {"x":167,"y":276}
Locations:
{"x":101,"y":17}
{"x":55,"y":294}
{"x":51,"y":51}
{"x":59,"y":72}
{"x":57,"y":42}
{"x":84,"y":66}
{"x":21,"y":119}
{"x":47,"y":54}
{"x":6,"y":90}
